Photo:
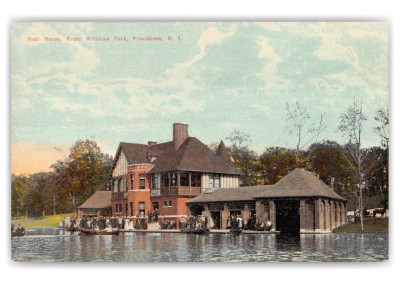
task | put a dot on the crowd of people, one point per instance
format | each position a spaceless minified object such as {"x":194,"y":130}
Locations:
{"x":106,"y":223}
{"x":236,"y":222}
{"x":140,"y":222}
{"x":191,"y":223}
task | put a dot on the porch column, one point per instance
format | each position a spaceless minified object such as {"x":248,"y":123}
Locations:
{"x":344,"y":213}
{"x":338,"y":214}
{"x":190,"y":183}
{"x":333,"y":214}
{"x":302,"y":212}
{"x":224,"y":216}
{"x":317,"y":215}
{"x":272,"y":214}
{"x":327,"y":216}
{"x":259,"y":209}
{"x":246,"y":212}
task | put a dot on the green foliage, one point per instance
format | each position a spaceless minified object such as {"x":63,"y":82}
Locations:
{"x":329,"y":161}
{"x":19,"y":190}
{"x":75,"y":179}
{"x":371,"y":225}
{"x":275,"y":163}
{"x":85,"y":171}
{"x":44,"y":221}
{"x":246,"y":160}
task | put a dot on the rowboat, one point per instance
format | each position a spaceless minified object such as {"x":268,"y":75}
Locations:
{"x":195,"y":231}
{"x":102,"y":232}
{"x":18,"y":233}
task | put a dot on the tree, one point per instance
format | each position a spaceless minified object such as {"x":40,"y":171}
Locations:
{"x":19,"y":190}
{"x":245,"y":159}
{"x":380,"y":172}
{"x":40,"y":195}
{"x":276,"y":162}
{"x":329,"y":162}
{"x":300,"y":126}
{"x":351,"y":127}
{"x":382,"y":116}
{"x":85,"y":171}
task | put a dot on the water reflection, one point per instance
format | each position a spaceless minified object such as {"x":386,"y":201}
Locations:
{"x":55,"y":245}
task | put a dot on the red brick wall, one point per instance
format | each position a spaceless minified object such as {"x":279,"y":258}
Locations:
{"x":178,"y":205}
{"x":136,"y":197}
{"x":118,"y":201}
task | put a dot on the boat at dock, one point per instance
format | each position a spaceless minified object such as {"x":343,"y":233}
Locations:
{"x":18,"y":233}
{"x":97,"y":232}
{"x":195,"y":231}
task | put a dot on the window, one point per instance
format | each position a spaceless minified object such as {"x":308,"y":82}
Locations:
{"x":214,"y":181}
{"x":184,"y":179}
{"x":165,"y":203}
{"x":142,"y":208}
{"x":119,"y":208}
{"x":126,"y":208}
{"x":115,"y":185}
{"x":196,"y":180}
{"x":155,"y":182}
{"x":132,"y":182}
{"x":132,"y":212}
{"x":120,"y":187}
{"x":116,"y":208}
{"x":170,"y":203}
{"x":142,"y":181}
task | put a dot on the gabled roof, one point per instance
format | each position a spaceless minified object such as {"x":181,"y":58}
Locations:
{"x":139,"y":153}
{"x":192,"y":155}
{"x":99,"y":200}
{"x":223,"y":152}
{"x":244,"y":193}
{"x":299,"y":183}
{"x":134,"y":153}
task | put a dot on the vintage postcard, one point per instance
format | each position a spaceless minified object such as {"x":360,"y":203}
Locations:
{"x":199,"y":142}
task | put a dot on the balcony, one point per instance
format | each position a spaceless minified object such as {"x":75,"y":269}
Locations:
{"x":186,"y":191}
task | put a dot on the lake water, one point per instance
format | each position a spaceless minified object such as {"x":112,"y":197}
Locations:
{"x":49,"y":245}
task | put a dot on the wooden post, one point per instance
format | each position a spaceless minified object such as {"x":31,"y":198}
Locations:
{"x":302,"y":214}
{"x":272,"y":214}
{"x":190,"y":183}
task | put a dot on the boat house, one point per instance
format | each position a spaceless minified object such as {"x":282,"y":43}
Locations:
{"x":298,"y":203}
{"x":99,"y":204}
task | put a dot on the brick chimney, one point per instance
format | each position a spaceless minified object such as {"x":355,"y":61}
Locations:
{"x":180,"y":134}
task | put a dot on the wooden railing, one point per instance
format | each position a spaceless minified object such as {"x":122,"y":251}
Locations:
{"x":174,"y":190}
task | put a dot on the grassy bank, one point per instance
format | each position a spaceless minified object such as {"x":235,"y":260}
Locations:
{"x":371,"y":225}
{"x":46,"y":221}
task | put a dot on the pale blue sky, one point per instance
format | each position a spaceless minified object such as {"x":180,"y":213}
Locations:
{"x":218,"y":78}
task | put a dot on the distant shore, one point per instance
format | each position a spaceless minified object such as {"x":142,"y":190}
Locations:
{"x":38,"y":222}
{"x":371,"y":225}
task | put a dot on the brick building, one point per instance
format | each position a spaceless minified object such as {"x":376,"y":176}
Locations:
{"x":164,"y":176}
{"x":300,"y":202}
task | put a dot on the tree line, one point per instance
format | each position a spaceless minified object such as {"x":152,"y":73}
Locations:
{"x":353,"y":171}
{"x":72,"y":181}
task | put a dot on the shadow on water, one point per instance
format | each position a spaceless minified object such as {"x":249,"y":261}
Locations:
{"x":288,"y":242}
